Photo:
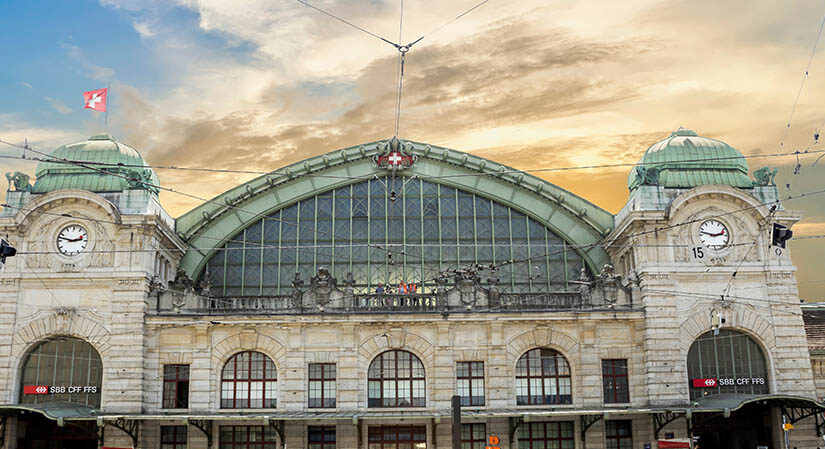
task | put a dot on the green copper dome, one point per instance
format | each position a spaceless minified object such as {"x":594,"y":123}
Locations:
{"x":102,"y":153}
{"x":686,"y":160}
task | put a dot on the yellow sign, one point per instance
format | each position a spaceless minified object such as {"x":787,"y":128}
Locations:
{"x":787,"y":426}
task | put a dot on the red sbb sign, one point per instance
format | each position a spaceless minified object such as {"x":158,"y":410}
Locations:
{"x":36,"y":389}
{"x":704,"y":383}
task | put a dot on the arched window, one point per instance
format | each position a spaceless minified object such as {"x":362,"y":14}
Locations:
{"x":249,"y":380}
{"x":543,"y":377}
{"x":396,"y":379}
{"x":726,"y":362}
{"x":439,"y":226}
{"x":62,"y":369}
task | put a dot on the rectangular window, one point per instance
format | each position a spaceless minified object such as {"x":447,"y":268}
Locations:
{"x":618,"y":434}
{"x":470,"y":383}
{"x":175,"y":386}
{"x":473,"y":436}
{"x":322,"y":389}
{"x":321,"y":437}
{"x":247,"y":437}
{"x":541,"y":435}
{"x":397,"y":437}
{"x":172,"y":437}
{"x":614,"y":376}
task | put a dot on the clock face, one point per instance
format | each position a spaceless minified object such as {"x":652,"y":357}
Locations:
{"x":713,"y":234}
{"x":72,"y":240}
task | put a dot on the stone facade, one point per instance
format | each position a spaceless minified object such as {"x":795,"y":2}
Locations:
{"x":663,"y":290}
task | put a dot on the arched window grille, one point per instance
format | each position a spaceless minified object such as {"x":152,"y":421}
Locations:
{"x":396,"y":379}
{"x":543,"y":377}
{"x":429,"y":228}
{"x":249,"y":380}
{"x":69,"y":368}
{"x":726,"y":362}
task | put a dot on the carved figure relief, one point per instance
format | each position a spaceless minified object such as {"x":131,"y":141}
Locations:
{"x":20,"y":181}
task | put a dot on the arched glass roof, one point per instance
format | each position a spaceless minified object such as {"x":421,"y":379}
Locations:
{"x":421,"y":246}
{"x":429,"y":229}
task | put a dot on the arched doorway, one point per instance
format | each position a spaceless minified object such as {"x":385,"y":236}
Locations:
{"x":59,"y":370}
{"x":728,"y":365}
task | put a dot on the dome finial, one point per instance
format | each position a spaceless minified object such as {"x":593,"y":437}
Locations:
{"x":682,"y":131}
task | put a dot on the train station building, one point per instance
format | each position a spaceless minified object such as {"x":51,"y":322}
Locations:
{"x":342,"y":301}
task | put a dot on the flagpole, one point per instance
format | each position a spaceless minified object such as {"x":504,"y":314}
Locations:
{"x":106,"y":117}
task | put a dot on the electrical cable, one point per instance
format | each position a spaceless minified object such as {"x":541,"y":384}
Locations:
{"x":421,"y":176}
{"x":329,"y":14}
{"x":440,"y":27}
{"x":802,"y":83}
{"x":314,"y":231}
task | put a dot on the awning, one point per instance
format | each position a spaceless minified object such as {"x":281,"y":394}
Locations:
{"x":733,"y":402}
{"x":723,"y":403}
{"x":52,"y":410}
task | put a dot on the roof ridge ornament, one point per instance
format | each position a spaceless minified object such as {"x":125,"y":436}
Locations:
{"x":393,"y":155}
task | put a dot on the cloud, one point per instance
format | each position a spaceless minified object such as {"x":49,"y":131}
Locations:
{"x":58,"y":105}
{"x":559,"y":84}
{"x":144,"y":29}
{"x":26,"y":85}
{"x":93,"y":71}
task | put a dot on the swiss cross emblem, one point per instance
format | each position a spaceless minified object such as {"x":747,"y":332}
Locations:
{"x":394,"y":156}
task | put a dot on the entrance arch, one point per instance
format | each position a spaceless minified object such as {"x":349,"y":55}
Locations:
{"x":62,"y":369}
{"x":59,"y":370}
{"x":729,"y":366}
{"x":728,"y":362}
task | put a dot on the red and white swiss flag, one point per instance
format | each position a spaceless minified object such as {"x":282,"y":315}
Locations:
{"x":96,"y":99}
{"x":35,"y":389}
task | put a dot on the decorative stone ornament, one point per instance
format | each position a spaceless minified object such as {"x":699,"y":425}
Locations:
{"x":394,"y":156}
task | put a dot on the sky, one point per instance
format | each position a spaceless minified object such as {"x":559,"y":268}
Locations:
{"x":260,"y":84}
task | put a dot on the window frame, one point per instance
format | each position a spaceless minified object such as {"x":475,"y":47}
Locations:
{"x":263,"y":444}
{"x":266,"y":401}
{"x":176,"y":443}
{"x":382,"y":380}
{"x":545,"y":375}
{"x":174,"y":385}
{"x":323,"y":443}
{"x":66,"y":357}
{"x":611,"y":432}
{"x":394,"y":444}
{"x":322,"y":381}
{"x":470,"y":378}
{"x":611,"y":395}
{"x":468,"y":435}
{"x":543,"y":439}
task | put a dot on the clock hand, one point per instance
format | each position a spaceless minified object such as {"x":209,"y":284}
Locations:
{"x":71,"y":240}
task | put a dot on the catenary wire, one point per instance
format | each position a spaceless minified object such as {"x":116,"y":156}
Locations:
{"x":329,"y":14}
{"x":370,"y":176}
{"x":442,"y":26}
{"x":189,"y":195}
{"x":314,"y":231}
{"x":802,"y":83}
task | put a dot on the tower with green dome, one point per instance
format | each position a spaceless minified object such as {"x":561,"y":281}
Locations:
{"x":685,"y":160}
{"x":100,"y":164}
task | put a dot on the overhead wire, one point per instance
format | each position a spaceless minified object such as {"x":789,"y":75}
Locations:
{"x":258,"y":215}
{"x":189,"y":195}
{"x":421,"y":176}
{"x":442,"y":26}
{"x":802,"y":83}
{"x":347,"y":22}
